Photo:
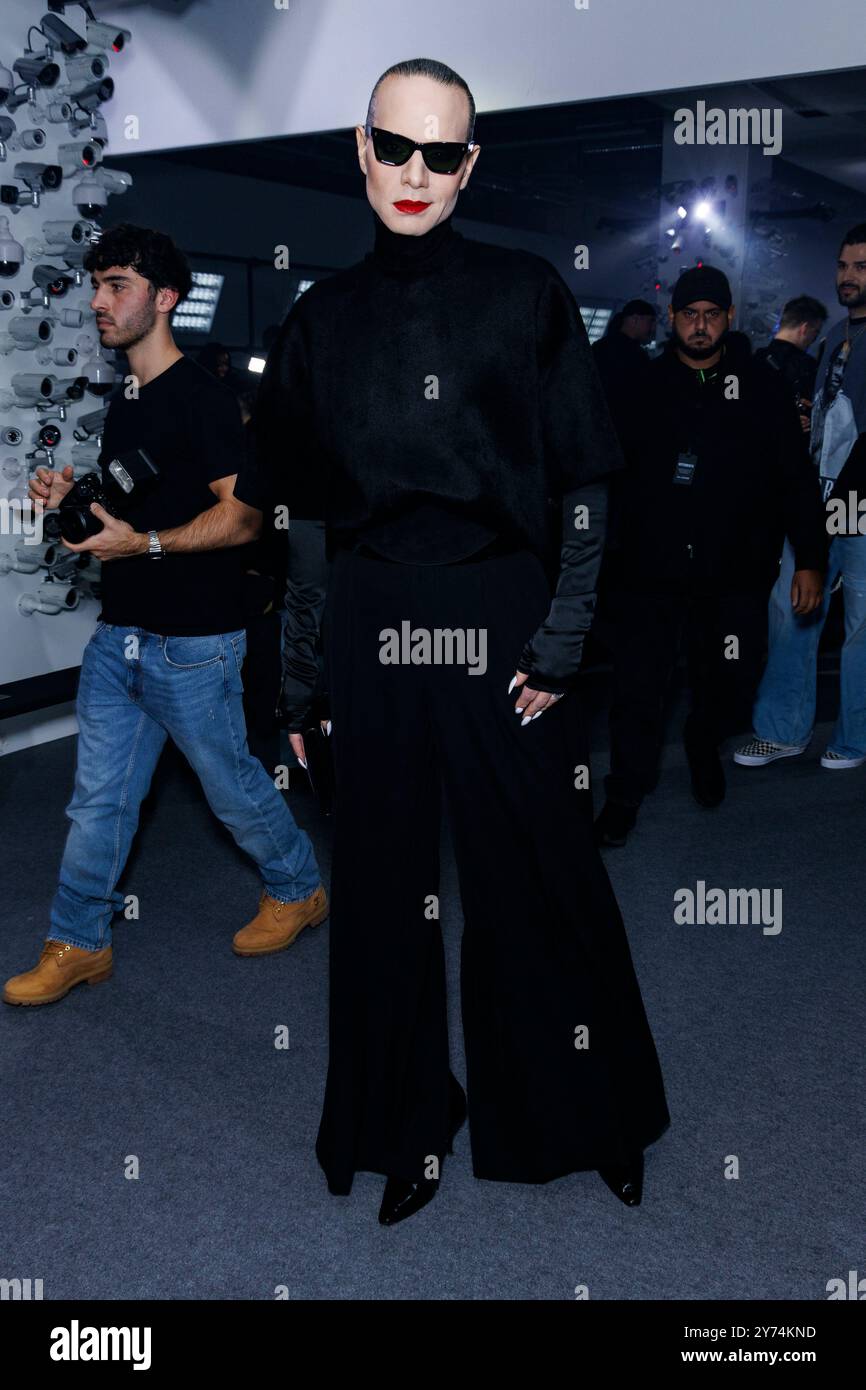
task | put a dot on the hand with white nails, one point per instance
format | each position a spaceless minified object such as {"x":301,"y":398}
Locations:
{"x":297,"y":742}
{"x":530,"y":703}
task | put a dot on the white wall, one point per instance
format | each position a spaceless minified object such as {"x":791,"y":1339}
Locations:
{"x":31,"y":646}
{"x":236,"y":69}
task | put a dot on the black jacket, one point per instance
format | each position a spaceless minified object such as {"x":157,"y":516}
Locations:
{"x":752,"y":485}
{"x":437,"y":394}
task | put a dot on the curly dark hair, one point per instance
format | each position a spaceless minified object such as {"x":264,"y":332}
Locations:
{"x":152,"y":254}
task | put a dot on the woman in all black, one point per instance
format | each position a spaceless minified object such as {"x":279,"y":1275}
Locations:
{"x":434,"y":415}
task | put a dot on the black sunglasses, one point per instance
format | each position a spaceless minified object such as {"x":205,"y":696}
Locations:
{"x":440,"y":156}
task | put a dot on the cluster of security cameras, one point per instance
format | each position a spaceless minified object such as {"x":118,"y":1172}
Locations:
{"x":63,"y":83}
{"x":53,"y":187}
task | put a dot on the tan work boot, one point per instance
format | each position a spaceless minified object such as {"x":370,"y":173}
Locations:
{"x":278,"y":924}
{"x":60,"y":967}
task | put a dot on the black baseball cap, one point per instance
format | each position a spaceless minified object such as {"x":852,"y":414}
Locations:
{"x":702,"y":282}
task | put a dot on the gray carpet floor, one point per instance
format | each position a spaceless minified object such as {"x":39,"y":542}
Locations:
{"x":173,"y":1062}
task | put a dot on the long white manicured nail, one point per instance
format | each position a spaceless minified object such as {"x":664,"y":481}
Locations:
{"x":328,"y":726}
{"x":537,"y":713}
{"x":303,"y":764}
{"x":527,"y":719}
{"x":513,"y":684}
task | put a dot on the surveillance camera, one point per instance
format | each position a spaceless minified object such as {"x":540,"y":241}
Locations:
{"x":52,"y":281}
{"x":31,"y":387}
{"x":11,"y":253}
{"x":58,"y":111}
{"x":73,"y":257}
{"x":71,"y":390}
{"x":107,"y":36}
{"x":90,"y":67}
{"x":60,"y":233}
{"x":7,"y":82}
{"x":31,"y":332}
{"x":14,"y":197}
{"x":36,"y":71}
{"x":60,"y":35}
{"x":78,"y":155}
{"x":56,"y":357}
{"x":90,"y":195}
{"x":90,"y":424}
{"x":39,"y":177}
{"x":32,"y":139}
{"x":93,"y":94}
{"x":34,"y":389}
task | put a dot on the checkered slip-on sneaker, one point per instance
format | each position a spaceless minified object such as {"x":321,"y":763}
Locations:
{"x":761,"y":751}
{"x":835,"y":760}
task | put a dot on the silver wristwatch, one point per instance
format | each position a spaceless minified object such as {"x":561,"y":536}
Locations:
{"x":154,"y":546}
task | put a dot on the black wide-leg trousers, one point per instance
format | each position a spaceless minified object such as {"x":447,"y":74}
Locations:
{"x":562,"y":1072}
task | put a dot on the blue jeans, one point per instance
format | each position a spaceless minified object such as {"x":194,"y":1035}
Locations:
{"x":785,"y":706}
{"x":136,"y":690}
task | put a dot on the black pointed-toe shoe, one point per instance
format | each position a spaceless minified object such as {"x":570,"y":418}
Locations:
{"x":403,"y":1198}
{"x":625,"y":1180}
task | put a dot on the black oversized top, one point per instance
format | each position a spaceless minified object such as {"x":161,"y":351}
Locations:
{"x":437,"y":394}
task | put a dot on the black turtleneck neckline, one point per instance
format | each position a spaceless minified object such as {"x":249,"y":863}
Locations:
{"x":406,"y":256}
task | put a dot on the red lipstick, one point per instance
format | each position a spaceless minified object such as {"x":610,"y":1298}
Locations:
{"x":406,"y":205}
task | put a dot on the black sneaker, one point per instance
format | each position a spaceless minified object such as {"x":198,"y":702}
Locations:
{"x":614,"y":822}
{"x":705,"y":765}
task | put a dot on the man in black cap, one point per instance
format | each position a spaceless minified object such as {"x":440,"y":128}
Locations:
{"x":722,"y":476}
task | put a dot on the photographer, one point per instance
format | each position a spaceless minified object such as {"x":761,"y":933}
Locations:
{"x":166,"y":657}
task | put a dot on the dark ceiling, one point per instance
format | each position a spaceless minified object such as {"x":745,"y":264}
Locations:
{"x":539,"y":160}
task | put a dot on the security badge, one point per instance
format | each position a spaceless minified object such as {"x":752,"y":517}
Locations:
{"x":685,"y":469}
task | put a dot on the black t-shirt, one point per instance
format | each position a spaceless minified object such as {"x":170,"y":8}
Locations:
{"x":437,"y":394}
{"x":797,"y":368}
{"x":190,"y":425}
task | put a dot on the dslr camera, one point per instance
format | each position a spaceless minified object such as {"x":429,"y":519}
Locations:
{"x":125,"y":480}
